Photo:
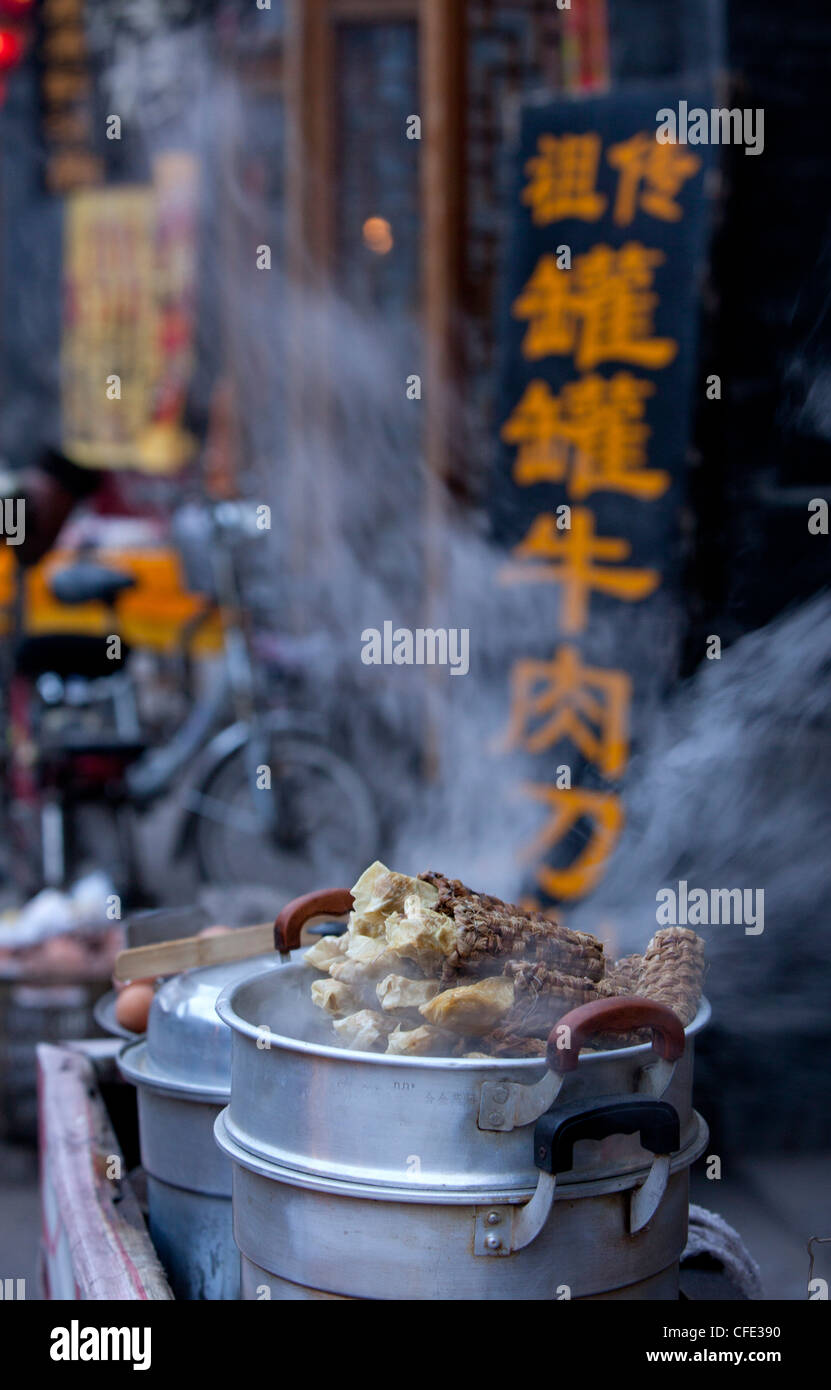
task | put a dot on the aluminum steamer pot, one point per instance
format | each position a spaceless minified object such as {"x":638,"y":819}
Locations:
{"x":456,"y":1124}
{"x":182,"y":1072}
{"x":373,"y":1176}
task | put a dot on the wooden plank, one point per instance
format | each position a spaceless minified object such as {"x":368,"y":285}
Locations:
{"x":170,"y":957}
{"x":95,"y":1243}
{"x":442,"y":77}
{"x":309,"y":87}
{"x":310,"y":223}
{"x":442,"y":66}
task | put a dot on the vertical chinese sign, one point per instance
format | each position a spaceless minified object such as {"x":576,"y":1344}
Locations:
{"x":609,"y":236}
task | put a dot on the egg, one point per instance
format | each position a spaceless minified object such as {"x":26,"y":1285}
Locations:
{"x":120,"y":985}
{"x":132,"y":1008}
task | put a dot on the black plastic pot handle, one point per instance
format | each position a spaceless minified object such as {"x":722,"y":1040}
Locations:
{"x":556,"y":1133}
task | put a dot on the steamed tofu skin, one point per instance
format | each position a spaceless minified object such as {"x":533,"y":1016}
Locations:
{"x":471,"y":1009}
{"x":335,"y":997}
{"x":421,"y":935}
{"x":365,"y":950}
{"x":364,"y":1031}
{"x":366,"y":960}
{"x":368,"y":968}
{"x":324,"y":952}
{"x":423,"y":1041}
{"x":397,"y":992}
{"x":380,"y":891}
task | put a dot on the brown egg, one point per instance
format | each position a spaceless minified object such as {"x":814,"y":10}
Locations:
{"x":132,"y":1007}
{"x":120,"y":985}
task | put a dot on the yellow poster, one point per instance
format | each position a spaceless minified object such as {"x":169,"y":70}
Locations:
{"x":128,"y":314}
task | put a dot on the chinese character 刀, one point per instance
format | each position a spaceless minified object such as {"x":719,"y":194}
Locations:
{"x":567,"y":807}
{"x":650,"y":176}
{"x":599,"y":311}
{"x":562,"y":698}
{"x":562,"y":177}
{"x":572,"y":559}
{"x":592,"y":437}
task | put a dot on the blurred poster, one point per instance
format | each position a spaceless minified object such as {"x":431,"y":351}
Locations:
{"x":128,"y":320}
{"x":606,"y":262}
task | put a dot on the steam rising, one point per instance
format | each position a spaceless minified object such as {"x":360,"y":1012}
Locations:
{"x":729,"y":788}
{"x":731,"y":791}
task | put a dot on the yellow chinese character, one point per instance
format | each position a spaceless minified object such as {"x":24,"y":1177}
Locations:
{"x":552,"y":700}
{"x":562,"y":179}
{"x":652,"y":175}
{"x":592,"y":436}
{"x":600,"y":310}
{"x":573,"y":555}
{"x":567,"y":807}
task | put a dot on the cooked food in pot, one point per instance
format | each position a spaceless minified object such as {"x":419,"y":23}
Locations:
{"x":427,"y":967}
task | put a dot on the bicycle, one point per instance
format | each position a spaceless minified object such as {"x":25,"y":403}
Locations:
{"x":263,"y":795}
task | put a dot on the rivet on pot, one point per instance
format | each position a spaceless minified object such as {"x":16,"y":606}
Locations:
{"x":500,"y":1094}
{"x":496,"y":1117}
{"x":493,"y":1242}
{"x":494,"y":1218}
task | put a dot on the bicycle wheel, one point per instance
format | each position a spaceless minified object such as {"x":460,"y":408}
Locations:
{"x":323,"y":825}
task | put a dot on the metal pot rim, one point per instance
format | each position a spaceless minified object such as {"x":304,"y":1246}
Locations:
{"x":227,"y":1012}
{"x":136,"y":1067}
{"x":444,"y":1196}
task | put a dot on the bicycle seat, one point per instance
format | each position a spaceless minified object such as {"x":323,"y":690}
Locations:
{"x":87,"y":582}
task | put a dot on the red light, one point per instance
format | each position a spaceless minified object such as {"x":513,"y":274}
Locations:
{"x":11,"y":49}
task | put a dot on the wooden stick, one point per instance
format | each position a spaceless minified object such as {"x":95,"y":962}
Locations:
{"x":169,"y":957}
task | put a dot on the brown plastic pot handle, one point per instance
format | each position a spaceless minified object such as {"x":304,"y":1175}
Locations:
{"x":326,"y":905}
{"x":620,"y":1014}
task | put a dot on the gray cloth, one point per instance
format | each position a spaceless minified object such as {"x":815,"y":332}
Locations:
{"x":709,"y":1234}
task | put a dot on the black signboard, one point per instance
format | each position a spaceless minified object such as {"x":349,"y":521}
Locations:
{"x":606,"y":261}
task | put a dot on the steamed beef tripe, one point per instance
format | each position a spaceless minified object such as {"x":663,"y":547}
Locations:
{"x":421,"y":935}
{"x":380,"y":891}
{"x":489,"y":936}
{"x":672,"y":971}
{"x":396,"y":992}
{"x":541,"y":997}
{"x":471,"y":1009}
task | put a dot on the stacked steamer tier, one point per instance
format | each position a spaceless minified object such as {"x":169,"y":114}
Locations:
{"x":182,"y":1073}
